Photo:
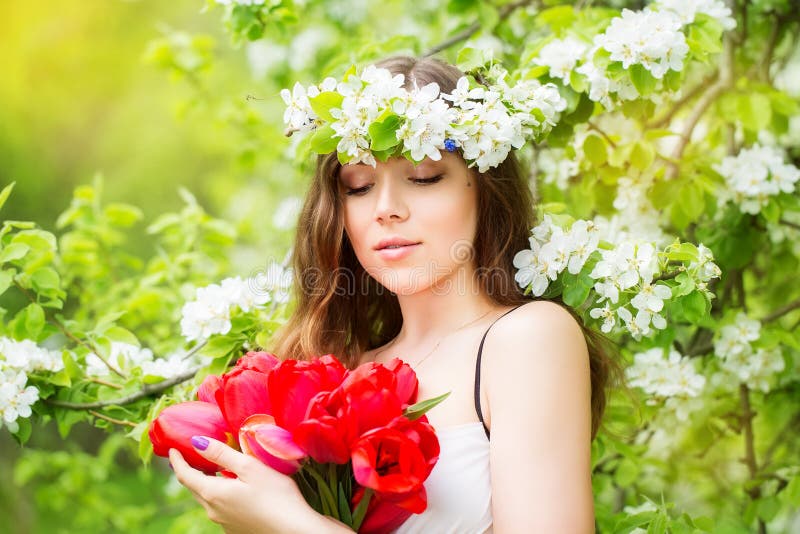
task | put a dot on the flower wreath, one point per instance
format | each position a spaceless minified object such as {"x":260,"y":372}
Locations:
{"x":371,"y":115}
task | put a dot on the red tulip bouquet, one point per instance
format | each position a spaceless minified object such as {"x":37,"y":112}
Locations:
{"x":356,"y":441}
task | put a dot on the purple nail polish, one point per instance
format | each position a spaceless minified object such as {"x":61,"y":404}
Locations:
{"x":200,"y":443}
{"x":170,"y":466}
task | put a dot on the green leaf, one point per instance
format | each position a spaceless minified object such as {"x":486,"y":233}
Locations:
{"x":768,"y":508}
{"x":361,"y":509}
{"x":695,"y":305}
{"x":576,"y":289}
{"x":45,"y":278}
{"x":673,"y":80}
{"x":123,"y":215}
{"x":61,"y":378}
{"x":6,"y":277}
{"x":417,"y":410}
{"x":470,"y":58}
{"x":344,"y":506}
{"x":691,"y":201}
{"x":34,"y":320}
{"x":644,"y":82}
{"x":117,"y":333}
{"x":626,"y":473}
{"x":5,"y":193}
{"x":558,"y":17}
{"x":323,"y":103}
{"x":323,"y":140}
{"x":642,"y":155}
{"x":771,"y":211}
{"x":754,"y":110}
{"x":595,"y":149}
{"x":792,"y":491}
{"x":685,"y":285}
{"x":577,"y":81}
{"x":23,"y":433}
{"x":704,"y":37}
{"x":14,"y":251}
{"x":384,"y":134}
{"x":704,"y":523}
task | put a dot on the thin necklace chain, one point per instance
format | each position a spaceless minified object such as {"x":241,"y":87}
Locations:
{"x":417,"y":364}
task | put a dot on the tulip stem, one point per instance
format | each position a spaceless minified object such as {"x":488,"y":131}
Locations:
{"x":361,"y":509}
{"x":328,"y":502}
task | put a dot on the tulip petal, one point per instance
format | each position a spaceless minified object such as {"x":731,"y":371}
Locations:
{"x":176,"y":424}
{"x":262,"y":438}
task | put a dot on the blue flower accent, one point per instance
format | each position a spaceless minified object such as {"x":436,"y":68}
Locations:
{"x":450,"y":145}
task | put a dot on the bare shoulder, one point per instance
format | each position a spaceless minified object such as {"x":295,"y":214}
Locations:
{"x":542,"y":321}
{"x":539,"y":398}
{"x":535,"y":339}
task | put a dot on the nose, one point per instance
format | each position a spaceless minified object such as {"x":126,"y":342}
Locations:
{"x":390,"y":204}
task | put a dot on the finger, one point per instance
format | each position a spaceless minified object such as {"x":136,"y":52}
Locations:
{"x":224,"y":456}
{"x":186,"y":474}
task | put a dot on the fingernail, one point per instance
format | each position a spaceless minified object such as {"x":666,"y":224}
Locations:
{"x":200,"y":443}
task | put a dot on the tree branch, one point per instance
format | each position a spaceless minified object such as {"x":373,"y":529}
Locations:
{"x":71,"y":336}
{"x":687,"y":97}
{"x":722,"y":83}
{"x":473,"y":28}
{"x":605,"y":136}
{"x":749,"y":447}
{"x":790,"y":224}
{"x":781,"y":438}
{"x":121,"y":422}
{"x":668,"y":275}
{"x":769,"y":49}
{"x":780,"y":312}
{"x":147,"y":390}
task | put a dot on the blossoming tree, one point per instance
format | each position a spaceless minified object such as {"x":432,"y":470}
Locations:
{"x":669,"y":219}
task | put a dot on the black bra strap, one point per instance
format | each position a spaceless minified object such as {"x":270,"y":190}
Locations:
{"x":478,"y":373}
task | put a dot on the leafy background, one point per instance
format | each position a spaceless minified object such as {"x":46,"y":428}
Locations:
{"x":148,"y":137}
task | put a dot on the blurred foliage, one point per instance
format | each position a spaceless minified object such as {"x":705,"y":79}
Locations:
{"x":126,"y":107}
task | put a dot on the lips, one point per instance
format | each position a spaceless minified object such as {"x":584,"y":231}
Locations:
{"x":394,"y":243}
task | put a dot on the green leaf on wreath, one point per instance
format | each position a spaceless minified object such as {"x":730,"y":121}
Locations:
{"x":323,"y":103}
{"x":384,"y":134}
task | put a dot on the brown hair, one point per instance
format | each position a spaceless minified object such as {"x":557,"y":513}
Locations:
{"x":332,"y":290}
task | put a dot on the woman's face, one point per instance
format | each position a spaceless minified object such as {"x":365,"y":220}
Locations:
{"x":430,"y":210}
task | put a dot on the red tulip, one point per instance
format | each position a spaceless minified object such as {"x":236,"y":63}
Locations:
{"x":176,"y":424}
{"x":208,"y":389}
{"x":242,"y":391}
{"x":388,"y":461}
{"x":261,"y":438}
{"x":423,"y":435}
{"x":262,"y":362}
{"x":382,"y":515}
{"x":293,"y":383}
{"x":325,"y":434}
{"x":407,"y":385}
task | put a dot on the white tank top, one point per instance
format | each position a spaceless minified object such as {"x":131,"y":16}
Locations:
{"x":459,"y":488}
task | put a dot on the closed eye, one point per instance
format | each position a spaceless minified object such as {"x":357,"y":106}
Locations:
{"x":420,"y":181}
{"x":431,"y":180}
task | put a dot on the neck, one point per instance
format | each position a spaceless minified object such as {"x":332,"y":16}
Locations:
{"x":437,"y":311}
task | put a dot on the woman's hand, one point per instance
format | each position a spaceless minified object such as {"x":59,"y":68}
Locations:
{"x":261,"y":500}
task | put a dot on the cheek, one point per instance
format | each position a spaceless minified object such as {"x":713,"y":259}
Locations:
{"x":453,"y":221}
{"x":355,"y":227}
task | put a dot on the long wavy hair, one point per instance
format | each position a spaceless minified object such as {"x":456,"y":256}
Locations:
{"x":340,"y":309}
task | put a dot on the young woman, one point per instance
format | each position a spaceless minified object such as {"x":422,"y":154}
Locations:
{"x":415,"y":261}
